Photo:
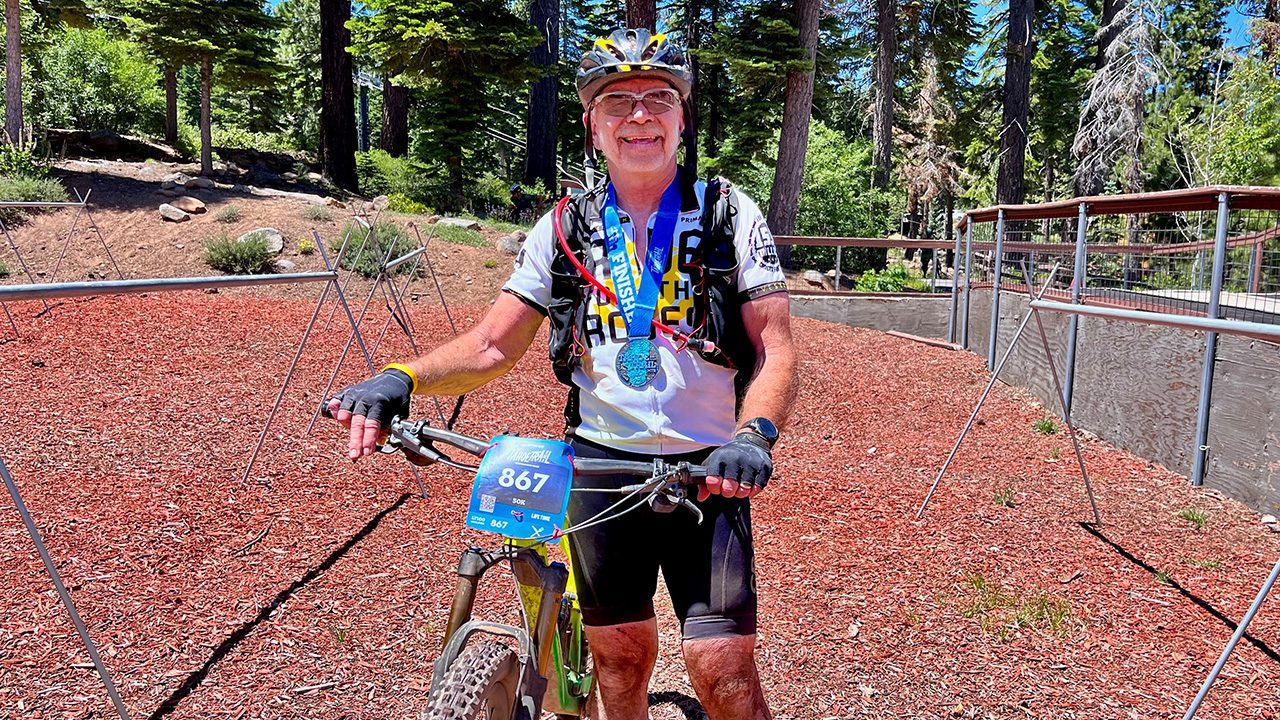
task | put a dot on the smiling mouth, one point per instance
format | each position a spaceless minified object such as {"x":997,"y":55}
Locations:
{"x":640,"y":139}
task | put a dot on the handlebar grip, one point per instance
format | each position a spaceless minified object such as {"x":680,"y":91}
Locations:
{"x":324,"y":409}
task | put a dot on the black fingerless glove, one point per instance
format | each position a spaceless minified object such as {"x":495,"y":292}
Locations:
{"x":745,"y":459}
{"x":381,"y":398}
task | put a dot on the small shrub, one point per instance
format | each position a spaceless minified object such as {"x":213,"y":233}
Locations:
{"x":1046,"y":426}
{"x":1162,"y":577}
{"x":1001,"y":610}
{"x":188,"y":143}
{"x":306,"y":246}
{"x":491,"y":263}
{"x":238,"y":257}
{"x":228,"y":214}
{"x":21,"y":162}
{"x":894,"y":278}
{"x":459,"y":235}
{"x":19,"y":188}
{"x":1195,"y":516}
{"x":379,"y":173}
{"x":384,"y":235}
{"x":401,"y":203}
{"x":4,"y":270}
{"x":1205,"y":564}
{"x":1055,"y":452}
{"x":1004,"y":498}
{"x":317,"y":213}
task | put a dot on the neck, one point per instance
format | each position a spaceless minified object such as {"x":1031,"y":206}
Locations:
{"x":640,"y":194}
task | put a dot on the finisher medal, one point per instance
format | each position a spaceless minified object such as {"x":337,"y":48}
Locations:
{"x":638,"y":362}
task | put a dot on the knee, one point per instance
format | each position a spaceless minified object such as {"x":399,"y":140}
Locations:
{"x":722,"y":670}
{"x":622,"y":650}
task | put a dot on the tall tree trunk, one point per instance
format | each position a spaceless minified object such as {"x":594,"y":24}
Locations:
{"x":206,"y":115}
{"x":1107,"y":35}
{"x":170,"y":104}
{"x":642,"y":14}
{"x":882,"y":118}
{"x":1010,"y":180}
{"x":13,"y":72}
{"x":395,"y":119}
{"x":715,"y":123}
{"x":338,"y":102}
{"x":540,"y":128}
{"x":788,"y":175}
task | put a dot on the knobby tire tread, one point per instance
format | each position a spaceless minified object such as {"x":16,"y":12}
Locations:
{"x":479,"y":670}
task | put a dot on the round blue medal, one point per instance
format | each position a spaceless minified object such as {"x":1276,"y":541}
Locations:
{"x":637,"y":363}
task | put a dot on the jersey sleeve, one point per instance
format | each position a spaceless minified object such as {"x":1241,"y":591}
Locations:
{"x":760,"y":272}
{"x":531,"y":279}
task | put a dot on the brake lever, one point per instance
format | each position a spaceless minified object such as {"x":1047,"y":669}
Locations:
{"x":406,"y":442}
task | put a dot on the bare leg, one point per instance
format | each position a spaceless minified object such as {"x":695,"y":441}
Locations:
{"x":724,"y":674}
{"x":624,"y":656}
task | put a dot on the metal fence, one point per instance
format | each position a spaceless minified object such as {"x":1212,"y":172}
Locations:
{"x":1209,"y":253}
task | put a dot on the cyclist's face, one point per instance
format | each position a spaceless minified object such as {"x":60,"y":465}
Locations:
{"x":642,"y":141}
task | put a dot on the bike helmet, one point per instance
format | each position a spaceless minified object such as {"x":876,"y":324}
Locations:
{"x":632,"y":53}
{"x":635,"y":53}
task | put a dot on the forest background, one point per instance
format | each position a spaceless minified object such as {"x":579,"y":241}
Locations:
{"x":858,"y":118}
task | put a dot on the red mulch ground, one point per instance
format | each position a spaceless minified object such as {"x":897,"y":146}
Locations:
{"x":128,"y":422}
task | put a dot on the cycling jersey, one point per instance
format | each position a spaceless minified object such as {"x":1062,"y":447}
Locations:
{"x":690,"y":403}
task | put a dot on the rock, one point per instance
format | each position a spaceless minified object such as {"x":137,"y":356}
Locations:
{"x":813,"y":277}
{"x":519,"y":235}
{"x":381,"y":202}
{"x":272,"y":192}
{"x":173,"y":214}
{"x":169,"y":193}
{"x":219,"y":166}
{"x":509,"y":245}
{"x":433,"y":219}
{"x":315,"y":177}
{"x":274,"y":238}
{"x":189,"y":204}
{"x":176,"y":179}
{"x":199,"y":183}
{"x":334,"y":203}
{"x":1268,"y":520}
{"x":460,"y":222}
{"x":285,"y":266}
{"x":224,"y":186}
{"x":289,"y":176}
{"x":168,"y":184}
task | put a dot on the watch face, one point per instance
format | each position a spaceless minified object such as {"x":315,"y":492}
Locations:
{"x":765,"y":428}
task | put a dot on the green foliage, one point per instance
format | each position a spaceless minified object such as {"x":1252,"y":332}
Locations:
{"x":491,"y":263}
{"x":18,"y":161}
{"x":20,"y":188}
{"x":1004,"y":498}
{"x":298,"y":51}
{"x":459,"y":235}
{"x":1046,"y":425}
{"x":1195,"y":516}
{"x":238,"y":257}
{"x":456,"y":53}
{"x":1001,"y":611}
{"x":382,"y":236}
{"x":490,"y":194}
{"x":892,"y":279}
{"x":317,"y":213}
{"x":380,"y":173}
{"x":4,"y":270}
{"x":228,"y":214}
{"x":401,"y":203}
{"x":188,"y":144}
{"x":1209,"y":564}
{"x":306,"y":246}
{"x":237,"y":137}
{"x":92,"y":80}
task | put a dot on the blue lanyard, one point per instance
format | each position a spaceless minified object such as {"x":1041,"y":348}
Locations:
{"x":637,"y":305}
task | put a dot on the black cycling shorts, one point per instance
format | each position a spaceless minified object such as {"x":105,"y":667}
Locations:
{"x":709,"y":569}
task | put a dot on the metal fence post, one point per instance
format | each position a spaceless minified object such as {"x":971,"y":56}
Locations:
{"x":997,"y":269}
{"x":1077,"y":288}
{"x":955,"y":287}
{"x":1210,"y":343}
{"x":968,"y":280}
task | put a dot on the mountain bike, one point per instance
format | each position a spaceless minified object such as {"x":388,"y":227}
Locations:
{"x":521,"y":492}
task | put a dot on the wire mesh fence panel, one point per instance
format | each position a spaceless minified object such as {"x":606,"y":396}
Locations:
{"x":983,"y":253}
{"x":1251,"y":277}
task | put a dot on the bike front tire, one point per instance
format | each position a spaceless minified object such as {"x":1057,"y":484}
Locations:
{"x":479,"y":685}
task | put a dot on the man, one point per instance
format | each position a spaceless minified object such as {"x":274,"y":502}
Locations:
{"x":678,"y":345}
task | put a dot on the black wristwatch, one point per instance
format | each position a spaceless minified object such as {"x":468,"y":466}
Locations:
{"x":762,"y":427}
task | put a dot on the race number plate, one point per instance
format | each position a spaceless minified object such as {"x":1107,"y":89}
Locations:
{"x":522,"y":488}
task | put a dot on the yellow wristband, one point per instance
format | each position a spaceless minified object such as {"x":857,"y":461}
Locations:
{"x":407,"y":371}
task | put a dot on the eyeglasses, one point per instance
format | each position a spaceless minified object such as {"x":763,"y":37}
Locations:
{"x":622,"y":104}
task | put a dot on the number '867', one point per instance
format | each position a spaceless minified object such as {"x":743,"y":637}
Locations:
{"x":523,"y":482}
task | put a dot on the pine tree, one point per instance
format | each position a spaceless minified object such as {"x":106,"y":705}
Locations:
{"x":885,"y":86}
{"x":1020,"y":49}
{"x":456,"y":52}
{"x":797,"y":109}
{"x":540,"y":126}
{"x":337,"y":103}
{"x":232,"y":34}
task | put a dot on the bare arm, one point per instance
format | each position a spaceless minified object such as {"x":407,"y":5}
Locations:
{"x":484,"y":352}
{"x":773,"y":390}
